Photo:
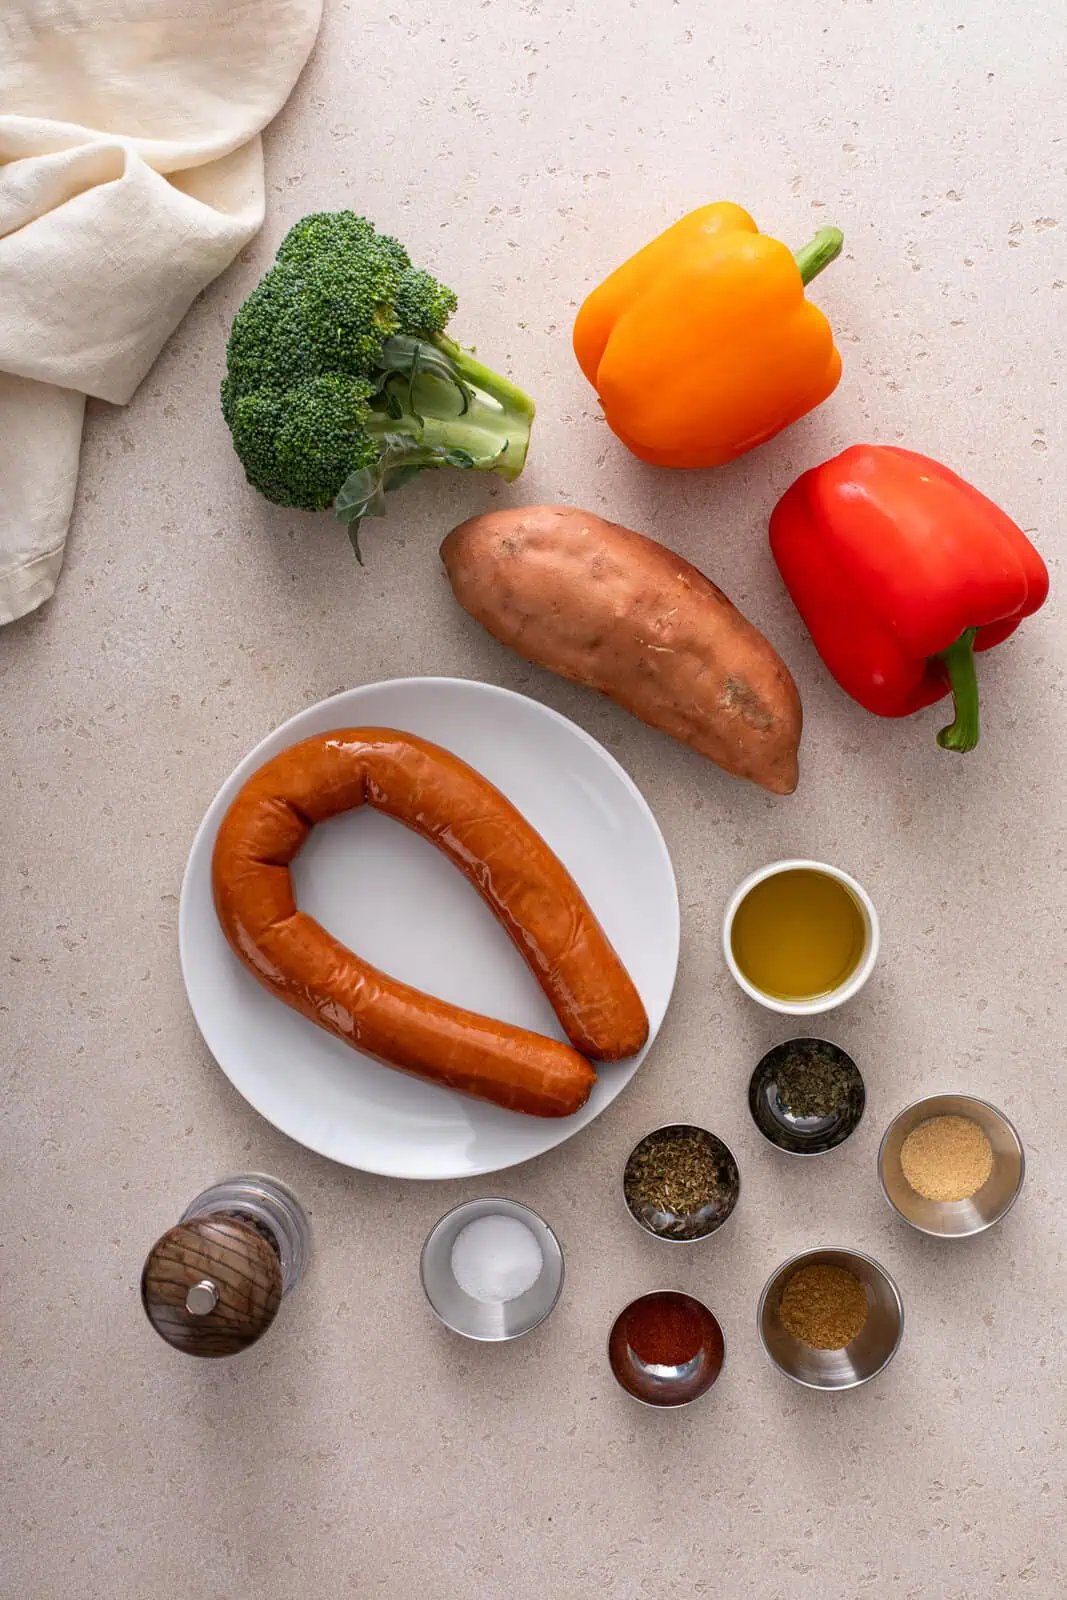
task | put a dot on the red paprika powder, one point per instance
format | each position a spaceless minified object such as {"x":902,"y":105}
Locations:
{"x":663,"y":1331}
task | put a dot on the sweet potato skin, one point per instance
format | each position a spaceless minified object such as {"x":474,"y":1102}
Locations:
{"x":622,"y":614}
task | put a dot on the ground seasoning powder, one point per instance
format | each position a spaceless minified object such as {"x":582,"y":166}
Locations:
{"x":824,"y":1306}
{"x":665,"y":1330}
{"x":946,"y":1158}
{"x":666,"y":1348}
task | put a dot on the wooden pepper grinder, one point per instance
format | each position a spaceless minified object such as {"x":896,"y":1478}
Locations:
{"x":212,"y":1285}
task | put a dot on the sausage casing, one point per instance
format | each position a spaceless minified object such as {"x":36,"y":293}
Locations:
{"x":525,"y":885}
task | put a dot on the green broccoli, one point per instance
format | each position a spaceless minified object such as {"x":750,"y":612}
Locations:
{"x":341,"y":383}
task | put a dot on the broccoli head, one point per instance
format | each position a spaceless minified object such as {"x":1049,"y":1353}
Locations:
{"x":341,"y":383}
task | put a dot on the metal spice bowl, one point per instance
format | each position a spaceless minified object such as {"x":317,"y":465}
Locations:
{"x":871,"y":1350}
{"x":954,"y":1219}
{"x":691,"y":1223}
{"x":490,"y":1323}
{"x":822,"y":1112}
{"x":688,"y":1373}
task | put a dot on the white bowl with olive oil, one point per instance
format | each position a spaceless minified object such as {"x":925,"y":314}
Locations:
{"x":800,"y":937}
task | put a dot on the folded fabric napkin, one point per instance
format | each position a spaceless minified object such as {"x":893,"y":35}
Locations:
{"x":131,"y":174}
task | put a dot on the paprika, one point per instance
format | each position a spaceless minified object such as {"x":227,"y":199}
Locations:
{"x":666,"y":1348}
{"x":665,"y":1330}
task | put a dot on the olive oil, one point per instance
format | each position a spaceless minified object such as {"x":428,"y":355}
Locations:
{"x":798,"y":934}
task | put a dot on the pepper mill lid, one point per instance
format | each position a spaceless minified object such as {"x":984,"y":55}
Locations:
{"x":212,"y":1285}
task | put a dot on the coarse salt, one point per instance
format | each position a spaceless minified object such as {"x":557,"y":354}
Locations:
{"x":495,"y":1259}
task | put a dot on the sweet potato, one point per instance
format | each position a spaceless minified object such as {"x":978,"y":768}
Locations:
{"x":607,"y":607}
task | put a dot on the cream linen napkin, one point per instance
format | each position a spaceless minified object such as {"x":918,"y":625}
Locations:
{"x":131,"y":174}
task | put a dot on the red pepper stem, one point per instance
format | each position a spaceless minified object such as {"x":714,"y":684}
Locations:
{"x":962,"y":734}
{"x":819,"y":252}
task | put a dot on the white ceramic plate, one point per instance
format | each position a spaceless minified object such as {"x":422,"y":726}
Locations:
{"x":389,"y":895}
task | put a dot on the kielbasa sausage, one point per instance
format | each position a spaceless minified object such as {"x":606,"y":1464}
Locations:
{"x":525,"y":885}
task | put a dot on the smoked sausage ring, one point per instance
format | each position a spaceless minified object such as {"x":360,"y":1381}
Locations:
{"x":529,"y":890}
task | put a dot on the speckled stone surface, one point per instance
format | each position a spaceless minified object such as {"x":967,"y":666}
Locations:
{"x":522,"y":150}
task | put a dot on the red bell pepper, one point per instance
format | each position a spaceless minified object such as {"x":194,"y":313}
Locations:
{"x":902,"y":571}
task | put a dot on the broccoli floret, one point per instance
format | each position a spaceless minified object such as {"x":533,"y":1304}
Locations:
{"x":423,"y":306}
{"x":327,"y":232}
{"x":296,"y":445}
{"x":341,"y":383}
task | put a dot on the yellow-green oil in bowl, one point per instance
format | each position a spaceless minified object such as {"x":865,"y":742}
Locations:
{"x":798,"y":934}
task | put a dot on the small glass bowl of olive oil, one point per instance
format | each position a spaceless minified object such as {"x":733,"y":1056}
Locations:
{"x":800,"y":937}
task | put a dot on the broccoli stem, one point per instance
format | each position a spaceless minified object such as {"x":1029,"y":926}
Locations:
{"x":511,"y":423}
{"x":485,"y":434}
{"x":435,"y":406}
{"x":436,"y":395}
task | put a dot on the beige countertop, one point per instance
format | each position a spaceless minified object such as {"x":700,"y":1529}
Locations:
{"x":521,"y":151}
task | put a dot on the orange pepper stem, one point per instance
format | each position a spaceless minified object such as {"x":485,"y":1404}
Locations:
{"x":962,"y":733}
{"x":819,"y":252}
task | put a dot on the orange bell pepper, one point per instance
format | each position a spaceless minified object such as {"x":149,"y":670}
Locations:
{"x":702,"y":345}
